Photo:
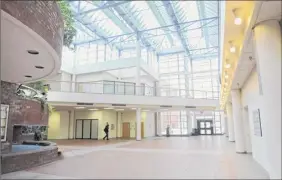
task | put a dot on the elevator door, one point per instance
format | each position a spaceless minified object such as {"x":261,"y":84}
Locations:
{"x":86,"y":129}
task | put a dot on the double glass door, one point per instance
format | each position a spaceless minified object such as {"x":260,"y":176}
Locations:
{"x":86,"y":129}
{"x":205,"y":127}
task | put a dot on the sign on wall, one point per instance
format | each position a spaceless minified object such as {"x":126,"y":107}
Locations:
{"x":257,"y":123}
{"x":4,"y":121}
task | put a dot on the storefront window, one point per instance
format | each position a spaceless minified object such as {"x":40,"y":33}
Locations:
{"x":4,"y":121}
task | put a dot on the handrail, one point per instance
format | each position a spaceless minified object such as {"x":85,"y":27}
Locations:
{"x":124,"y":88}
{"x":102,"y":82}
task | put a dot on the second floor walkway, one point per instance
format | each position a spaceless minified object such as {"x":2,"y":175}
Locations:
{"x":114,"y":92}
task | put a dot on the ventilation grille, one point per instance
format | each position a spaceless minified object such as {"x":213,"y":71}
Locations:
{"x":190,"y":106}
{"x":85,"y":104}
{"x":118,"y":104}
{"x":165,"y":106}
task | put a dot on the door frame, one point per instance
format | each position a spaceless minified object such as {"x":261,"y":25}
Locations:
{"x":199,"y":126}
{"x":91,"y":120}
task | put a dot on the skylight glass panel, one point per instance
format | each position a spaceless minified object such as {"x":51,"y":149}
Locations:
{"x":145,"y":14}
{"x":186,"y":10}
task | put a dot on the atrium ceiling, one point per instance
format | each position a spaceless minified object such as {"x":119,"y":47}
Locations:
{"x":166,"y":27}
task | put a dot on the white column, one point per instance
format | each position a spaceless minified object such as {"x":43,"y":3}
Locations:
{"x":189,"y":122}
{"x":268,"y":48}
{"x":138,"y":69}
{"x":73,"y":84}
{"x":194,"y":121}
{"x":138,"y":124}
{"x":238,"y":121}
{"x":230,"y":122}
{"x":159,"y":124}
{"x":226,"y":124}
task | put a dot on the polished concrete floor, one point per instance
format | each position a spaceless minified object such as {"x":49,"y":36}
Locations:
{"x":201,"y":157}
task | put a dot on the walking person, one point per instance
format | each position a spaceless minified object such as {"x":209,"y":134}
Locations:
{"x":167,"y":131}
{"x":106,"y":130}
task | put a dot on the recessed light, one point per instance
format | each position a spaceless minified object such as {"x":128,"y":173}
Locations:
{"x":39,"y":67}
{"x":146,"y":110}
{"x":93,"y":109}
{"x":237,"y":21}
{"x":227,"y":66}
{"x":133,"y":108}
{"x":33,"y":52}
{"x":232,"y":49}
{"x":226,"y":76}
{"x":109,"y":108}
{"x":79,"y":107}
{"x":119,"y":109}
{"x":28,"y":76}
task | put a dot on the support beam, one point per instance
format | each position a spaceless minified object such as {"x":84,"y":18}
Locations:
{"x":188,"y":23}
{"x":175,"y":21}
{"x":104,"y":6}
{"x":160,"y":19}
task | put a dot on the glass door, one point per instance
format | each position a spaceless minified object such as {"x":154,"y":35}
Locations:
{"x":205,"y":127}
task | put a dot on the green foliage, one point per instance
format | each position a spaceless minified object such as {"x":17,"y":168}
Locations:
{"x":69,"y":30}
{"x":40,"y":86}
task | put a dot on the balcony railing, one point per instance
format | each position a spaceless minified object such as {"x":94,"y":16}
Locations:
{"x":127,"y":88}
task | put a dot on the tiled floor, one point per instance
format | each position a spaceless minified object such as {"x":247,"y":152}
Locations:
{"x":210,"y":157}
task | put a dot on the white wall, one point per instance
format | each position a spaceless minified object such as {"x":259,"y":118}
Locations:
{"x":64,"y":125}
{"x":91,"y":77}
{"x":250,"y":98}
{"x":146,"y":117}
{"x":149,"y":124}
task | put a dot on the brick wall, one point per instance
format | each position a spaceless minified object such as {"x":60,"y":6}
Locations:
{"x":25,"y":160}
{"x":43,"y":17}
{"x":21,"y":111}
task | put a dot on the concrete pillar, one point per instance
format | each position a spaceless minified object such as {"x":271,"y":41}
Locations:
{"x":157,"y":88}
{"x":238,"y":121}
{"x":230,"y":122}
{"x":268,"y":50}
{"x":159,"y":124}
{"x":138,"y":69}
{"x":73,"y":84}
{"x":138,"y":124}
{"x":189,"y":122}
{"x":226,"y":124}
{"x":194,"y":121}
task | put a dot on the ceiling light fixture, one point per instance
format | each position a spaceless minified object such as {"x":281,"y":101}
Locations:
{"x":227,"y":66}
{"x":28,"y":76}
{"x":237,"y":19}
{"x":226,"y":76}
{"x":93,"y":109}
{"x":232,"y":47}
{"x":33,"y":52}
{"x":109,"y":108}
{"x":133,"y":108}
{"x":39,"y":67}
{"x":119,"y":109}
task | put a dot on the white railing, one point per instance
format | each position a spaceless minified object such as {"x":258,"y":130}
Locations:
{"x":127,"y":88}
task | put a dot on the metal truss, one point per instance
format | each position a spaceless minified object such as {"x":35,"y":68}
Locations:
{"x":173,"y":26}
